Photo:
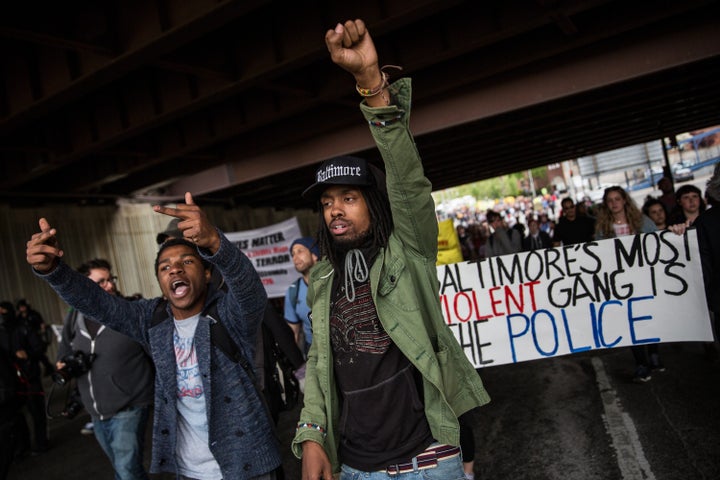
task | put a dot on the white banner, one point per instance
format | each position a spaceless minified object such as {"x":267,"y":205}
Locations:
{"x":625,"y":291}
{"x":269,"y":250}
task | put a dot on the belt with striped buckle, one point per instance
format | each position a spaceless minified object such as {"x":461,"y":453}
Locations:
{"x":428,"y":459}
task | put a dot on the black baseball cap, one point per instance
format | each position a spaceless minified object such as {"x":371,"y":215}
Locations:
{"x":345,"y":170}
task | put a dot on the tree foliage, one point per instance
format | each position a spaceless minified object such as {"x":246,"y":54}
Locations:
{"x":503,"y":186}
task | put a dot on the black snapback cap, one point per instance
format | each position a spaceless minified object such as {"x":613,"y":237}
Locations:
{"x":345,"y":170}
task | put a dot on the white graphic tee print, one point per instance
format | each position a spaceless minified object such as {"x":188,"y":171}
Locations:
{"x":193,"y":454}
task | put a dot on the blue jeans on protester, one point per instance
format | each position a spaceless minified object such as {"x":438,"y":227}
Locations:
{"x":122,"y":438}
{"x":447,"y":469}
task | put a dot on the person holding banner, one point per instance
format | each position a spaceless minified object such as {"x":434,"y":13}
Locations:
{"x":210,"y":421}
{"x":690,"y":205}
{"x":386,"y":380}
{"x":618,"y":215}
{"x":708,"y":230}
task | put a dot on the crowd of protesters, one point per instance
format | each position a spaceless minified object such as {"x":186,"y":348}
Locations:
{"x":521,"y":217}
{"x":475,"y":226}
{"x":367,"y":360}
{"x":524,"y":225}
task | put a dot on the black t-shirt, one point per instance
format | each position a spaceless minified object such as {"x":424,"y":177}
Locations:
{"x":383,"y":416}
{"x":580,"y":230}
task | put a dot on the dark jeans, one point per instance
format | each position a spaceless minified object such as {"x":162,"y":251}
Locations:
{"x":267,"y":476}
{"x":642,"y":354}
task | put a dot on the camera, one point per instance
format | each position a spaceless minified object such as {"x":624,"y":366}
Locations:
{"x":73,"y":404}
{"x":75,"y":365}
{"x":72,"y":408}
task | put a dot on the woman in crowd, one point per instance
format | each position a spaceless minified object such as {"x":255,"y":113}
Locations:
{"x":617,"y":216}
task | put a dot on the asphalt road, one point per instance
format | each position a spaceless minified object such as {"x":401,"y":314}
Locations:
{"x":571,"y":417}
{"x":582,"y":417}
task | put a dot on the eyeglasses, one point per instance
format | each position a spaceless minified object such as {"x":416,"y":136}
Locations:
{"x":103,"y":281}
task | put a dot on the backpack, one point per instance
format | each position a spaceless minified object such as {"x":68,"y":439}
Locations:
{"x":283,"y":376}
{"x":294,"y":301}
{"x":295,"y":292}
{"x":275,"y":364}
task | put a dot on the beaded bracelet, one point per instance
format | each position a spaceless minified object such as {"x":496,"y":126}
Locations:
{"x":379,"y":90}
{"x":384,"y":123}
{"x":314,"y":426}
{"x":371,"y":92}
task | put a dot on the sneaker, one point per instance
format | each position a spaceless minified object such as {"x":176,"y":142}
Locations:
{"x":38,"y":451}
{"x":87,"y":429}
{"x":655,"y":363}
{"x":642,"y":374}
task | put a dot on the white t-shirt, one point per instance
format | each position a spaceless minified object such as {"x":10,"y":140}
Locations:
{"x":194,"y":458}
{"x":621,"y":229}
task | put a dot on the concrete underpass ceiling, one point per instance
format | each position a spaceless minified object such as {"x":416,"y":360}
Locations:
{"x":237,"y":101}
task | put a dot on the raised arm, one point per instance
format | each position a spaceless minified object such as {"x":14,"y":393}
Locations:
{"x":43,"y":250}
{"x":352,"y":48}
{"x":387,"y":109}
{"x":43,"y":254}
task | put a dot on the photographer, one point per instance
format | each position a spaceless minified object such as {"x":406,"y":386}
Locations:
{"x":115,"y":379}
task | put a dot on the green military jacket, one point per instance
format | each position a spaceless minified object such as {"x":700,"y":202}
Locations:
{"x":405,"y":289}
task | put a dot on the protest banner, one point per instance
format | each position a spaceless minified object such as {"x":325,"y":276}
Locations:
{"x":268,"y":248}
{"x":620,"y":292}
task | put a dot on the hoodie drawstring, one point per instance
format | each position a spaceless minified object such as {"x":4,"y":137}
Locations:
{"x":356,"y":269}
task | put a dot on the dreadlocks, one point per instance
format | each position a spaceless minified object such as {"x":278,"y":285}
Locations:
{"x":381,"y":224}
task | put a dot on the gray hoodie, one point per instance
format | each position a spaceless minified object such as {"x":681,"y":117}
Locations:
{"x":122,"y":374}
